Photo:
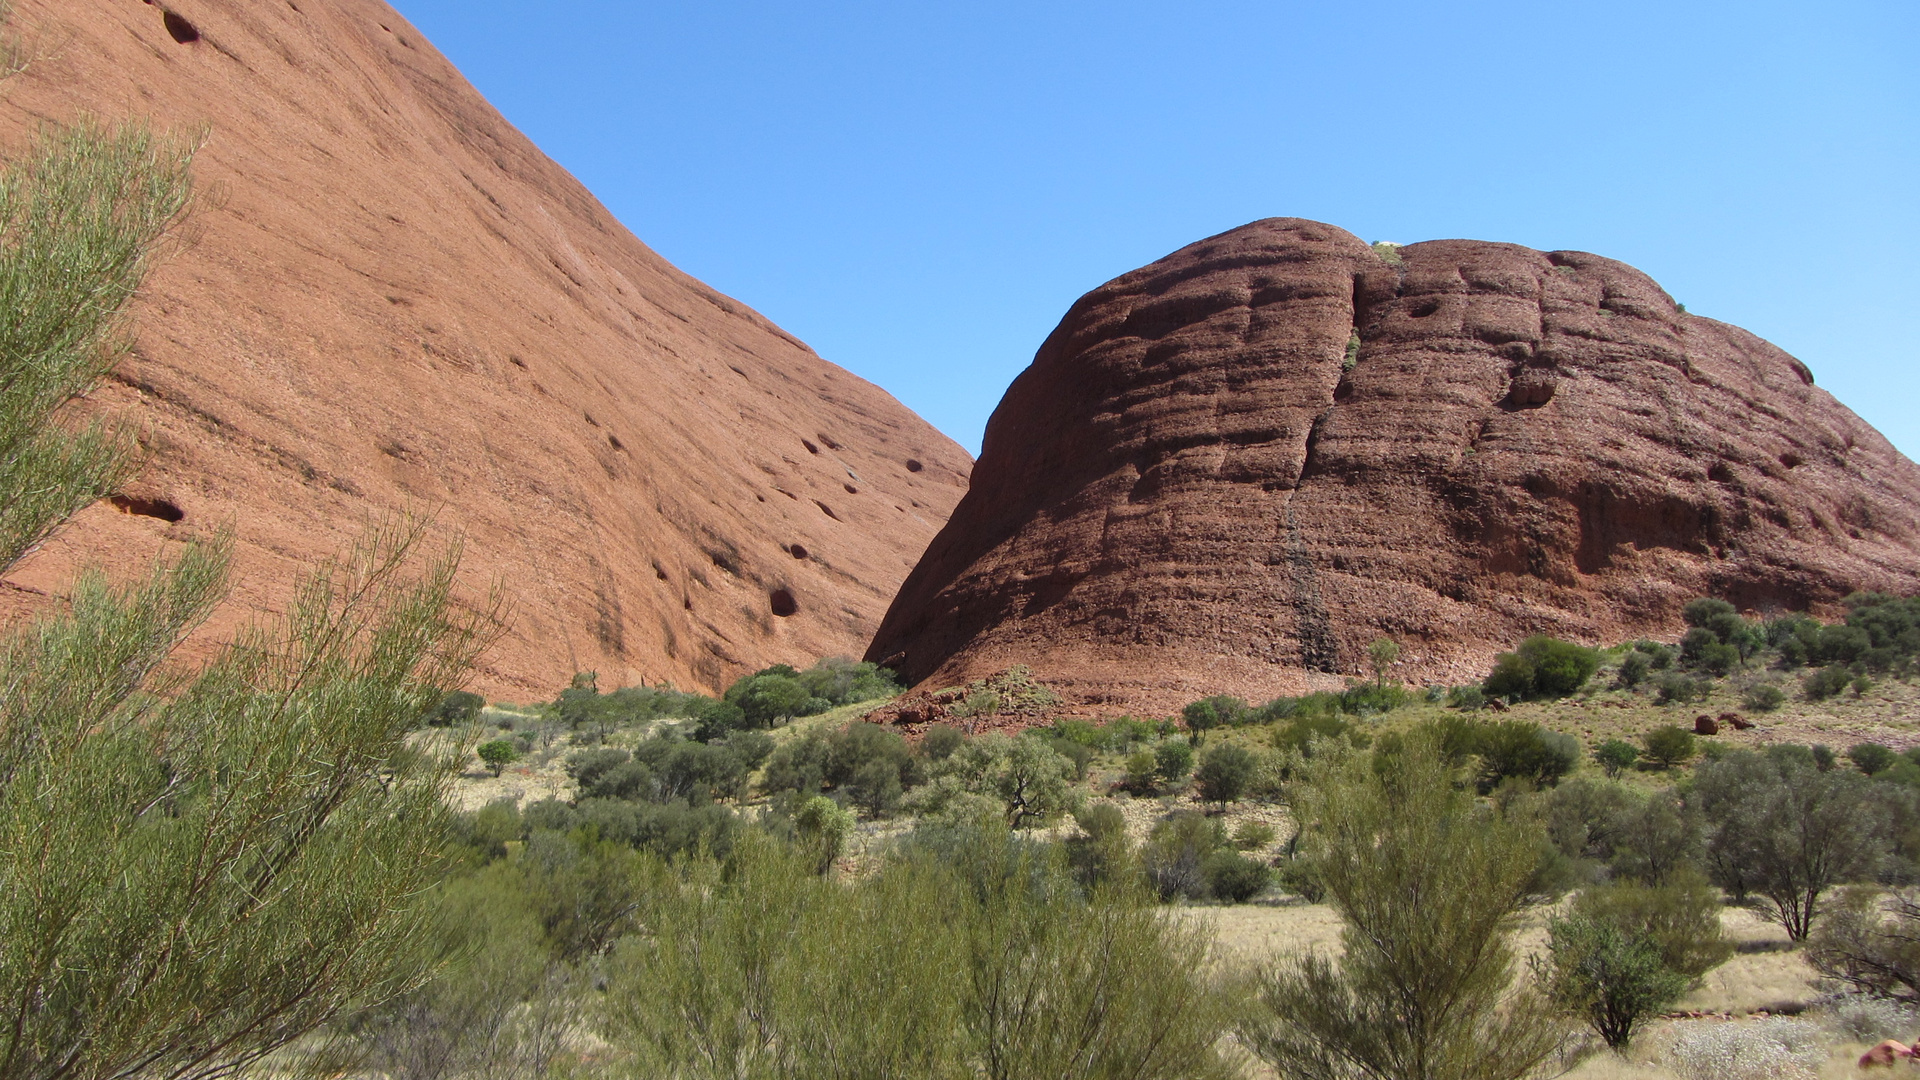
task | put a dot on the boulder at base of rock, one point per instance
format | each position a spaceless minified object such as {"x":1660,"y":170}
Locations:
{"x":1234,"y":469}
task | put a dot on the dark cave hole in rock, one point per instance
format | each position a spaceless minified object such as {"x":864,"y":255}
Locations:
{"x":851,"y":490}
{"x":163,"y":509}
{"x":811,"y":449}
{"x":180,"y":29}
{"x":783,"y":603}
{"x":614,"y":441}
{"x":797,"y":551}
{"x":1424,"y":308}
{"x":827,"y":510}
{"x":1792,"y":460}
{"x":828,"y":439}
{"x":913,"y":465}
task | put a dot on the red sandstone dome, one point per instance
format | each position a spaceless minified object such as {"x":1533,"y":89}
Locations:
{"x":394,"y":301}
{"x":1231,"y":470}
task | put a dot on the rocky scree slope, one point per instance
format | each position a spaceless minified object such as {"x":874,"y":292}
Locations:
{"x":393,"y":300}
{"x":1231,"y":470}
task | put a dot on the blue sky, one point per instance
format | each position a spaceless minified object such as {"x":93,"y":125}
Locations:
{"x":920,"y":190}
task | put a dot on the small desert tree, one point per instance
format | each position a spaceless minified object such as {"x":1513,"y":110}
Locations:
{"x":195,"y":869}
{"x":1427,"y":883}
{"x":1381,"y":656}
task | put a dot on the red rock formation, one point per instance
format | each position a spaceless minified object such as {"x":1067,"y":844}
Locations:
{"x":394,"y":300}
{"x":1231,"y":470}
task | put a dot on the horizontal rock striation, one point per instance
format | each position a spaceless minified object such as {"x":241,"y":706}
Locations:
{"x":1231,"y":470}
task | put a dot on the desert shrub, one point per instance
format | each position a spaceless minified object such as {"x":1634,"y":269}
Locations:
{"x":1615,"y":756}
{"x":1656,"y":836}
{"x":1176,"y":852}
{"x":1673,"y":688}
{"x":797,"y":765}
{"x":753,"y":748}
{"x":1298,"y":733}
{"x":1100,"y":856}
{"x":1143,"y":771}
{"x":457,"y":709}
{"x":1233,"y":877}
{"x":669,"y":829}
{"x":1826,"y":682}
{"x":1871,"y":758}
{"x":1021,"y":778}
{"x":823,"y":828}
{"x":1607,"y":977}
{"x":1763,"y":697}
{"x":1668,"y":746}
{"x":1680,"y":919}
{"x":1541,"y":668}
{"x":840,"y":681}
{"x":497,"y":754}
{"x":1225,"y":772}
{"x":1173,"y":760}
{"x":1776,"y":1048}
{"x":1208,"y":713}
{"x":500,"y":1002}
{"x":1634,"y":669}
{"x":1253,"y":834}
{"x":940,"y":741}
{"x":772,"y":695}
{"x":1869,"y":943}
{"x":1869,"y":1019}
{"x":874,"y":764}
{"x":1584,"y":818}
{"x":1427,"y":884}
{"x":1789,"y":832}
{"x":1466,"y":697}
{"x":1518,"y":749}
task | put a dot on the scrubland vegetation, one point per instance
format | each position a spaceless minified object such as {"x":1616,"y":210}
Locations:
{"x":252,"y":866}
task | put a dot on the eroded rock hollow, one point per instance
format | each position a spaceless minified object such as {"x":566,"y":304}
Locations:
{"x":1231,"y":470}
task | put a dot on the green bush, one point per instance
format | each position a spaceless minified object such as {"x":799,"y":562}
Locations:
{"x":823,"y":828}
{"x":940,"y":741}
{"x":1518,"y":749}
{"x":1467,"y":697}
{"x":1173,"y":760}
{"x":1606,"y":977}
{"x":1233,"y":877}
{"x":1427,"y":883}
{"x":1143,"y":771}
{"x":1215,"y":712}
{"x":1634,"y":669}
{"x":1299,"y":733}
{"x":1763,"y":697}
{"x":497,"y":754}
{"x":1677,"y":689}
{"x":1871,"y":758}
{"x":1253,"y":834}
{"x":1101,"y":856}
{"x":1541,"y":668}
{"x":1668,"y":746}
{"x":1616,"y":756}
{"x":1176,"y":853}
{"x":772,"y":695}
{"x":1225,"y":772}
{"x":457,"y":709}
{"x":1826,"y":682}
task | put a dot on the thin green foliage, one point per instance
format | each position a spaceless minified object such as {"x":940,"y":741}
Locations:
{"x":190,"y":881}
{"x":80,"y":221}
{"x":1427,"y":883}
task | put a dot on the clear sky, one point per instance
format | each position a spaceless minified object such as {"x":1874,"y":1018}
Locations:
{"x":920,"y":190}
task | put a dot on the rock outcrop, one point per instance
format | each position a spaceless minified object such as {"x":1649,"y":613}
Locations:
{"x":1231,"y":470}
{"x":393,"y":300}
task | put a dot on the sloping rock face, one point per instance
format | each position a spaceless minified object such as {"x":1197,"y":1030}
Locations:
{"x":394,"y":301}
{"x":1233,"y":469}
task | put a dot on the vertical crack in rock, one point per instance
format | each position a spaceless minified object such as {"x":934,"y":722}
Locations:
{"x":1319,"y":651}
